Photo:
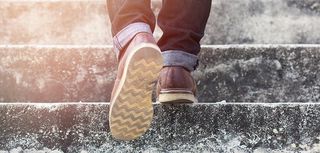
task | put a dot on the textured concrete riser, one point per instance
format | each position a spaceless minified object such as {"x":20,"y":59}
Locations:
{"x":232,"y":21}
{"x":195,"y":128}
{"x":53,"y":22}
{"x":56,"y":74}
{"x":259,"y":74}
{"x":267,"y":73}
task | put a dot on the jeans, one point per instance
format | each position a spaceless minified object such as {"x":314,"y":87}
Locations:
{"x":182,"y":22}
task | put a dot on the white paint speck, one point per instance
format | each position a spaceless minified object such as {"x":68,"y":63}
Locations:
{"x":275,"y":131}
{"x":16,"y":150}
{"x":40,"y":84}
{"x":18,"y":77}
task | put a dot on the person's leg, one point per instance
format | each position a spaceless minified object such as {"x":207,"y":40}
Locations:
{"x":125,"y":12}
{"x":129,"y":17}
{"x":140,"y":61}
{"x":183,"y":23}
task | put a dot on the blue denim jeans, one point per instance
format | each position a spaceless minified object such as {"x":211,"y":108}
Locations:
{"x":182,"y":21}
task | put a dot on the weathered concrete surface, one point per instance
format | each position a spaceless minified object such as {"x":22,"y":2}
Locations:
{"x":53,"y":22}
{"x":245,"y":73}
{"x":263,"y":22}
{"x":230,"y":22}
{"x":50,"y":74}
{"x":264,"y":73}
{"x":192,"y":128}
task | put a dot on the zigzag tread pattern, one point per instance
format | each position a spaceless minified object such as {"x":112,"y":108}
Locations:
{"x":132,"y":112}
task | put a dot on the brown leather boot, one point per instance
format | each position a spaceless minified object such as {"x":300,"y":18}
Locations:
{"x":176,"y":85}
{"x":131,"y":110}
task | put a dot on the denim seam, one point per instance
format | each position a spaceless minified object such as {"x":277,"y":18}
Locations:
{"x":180,"y":58}
{"x":123,"y":37}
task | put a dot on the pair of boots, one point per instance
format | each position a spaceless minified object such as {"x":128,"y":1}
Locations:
{"x":140,"y":64}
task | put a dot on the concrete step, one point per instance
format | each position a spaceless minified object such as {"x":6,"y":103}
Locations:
{"x":235,"y":73}
{"x":223,"y":127}
{"x":56,"y":73}
{"x":231,"y":22}
{"x":53,"y":22}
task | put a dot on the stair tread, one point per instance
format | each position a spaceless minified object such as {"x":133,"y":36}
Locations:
{"x":212,"y":127}
{"x":157,"y":103}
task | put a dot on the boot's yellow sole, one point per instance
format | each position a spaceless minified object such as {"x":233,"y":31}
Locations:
{"x":176,"y":98}
{"x":131,"y":109}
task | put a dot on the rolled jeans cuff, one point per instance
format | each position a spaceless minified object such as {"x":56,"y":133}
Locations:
{"x":180,"y":58}
{"x":122,"y":38}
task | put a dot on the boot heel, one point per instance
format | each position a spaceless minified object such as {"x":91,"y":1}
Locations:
{"x":176,"y":98}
